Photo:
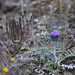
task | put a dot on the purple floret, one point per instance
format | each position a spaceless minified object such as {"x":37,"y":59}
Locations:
{"x":54,"y":33}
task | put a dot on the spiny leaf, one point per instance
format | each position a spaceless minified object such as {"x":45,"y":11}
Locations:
{"x":61,"y":44}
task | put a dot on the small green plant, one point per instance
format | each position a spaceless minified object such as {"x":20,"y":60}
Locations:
{"x":49,"y":57}
{"x":45,"y":55}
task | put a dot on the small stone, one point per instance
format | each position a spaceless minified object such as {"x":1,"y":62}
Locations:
{"x":36,"y":20}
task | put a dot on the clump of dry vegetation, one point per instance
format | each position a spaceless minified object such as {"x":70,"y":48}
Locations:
{"x":37,"y":37}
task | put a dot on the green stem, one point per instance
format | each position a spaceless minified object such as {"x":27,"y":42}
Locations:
{"x":55,"y":52}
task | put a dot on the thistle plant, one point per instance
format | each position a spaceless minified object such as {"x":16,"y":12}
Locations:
{"x":54,"y":36}
{"x":48,"y":56}
{"x":52,"y":66}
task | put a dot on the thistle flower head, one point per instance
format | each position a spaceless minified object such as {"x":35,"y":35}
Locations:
{"x":54,"y":33}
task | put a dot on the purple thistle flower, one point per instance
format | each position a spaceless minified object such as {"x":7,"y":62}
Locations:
{"x":54,"y":33}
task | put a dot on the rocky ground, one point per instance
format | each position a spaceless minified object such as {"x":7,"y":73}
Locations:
{"x":20,"y":26}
